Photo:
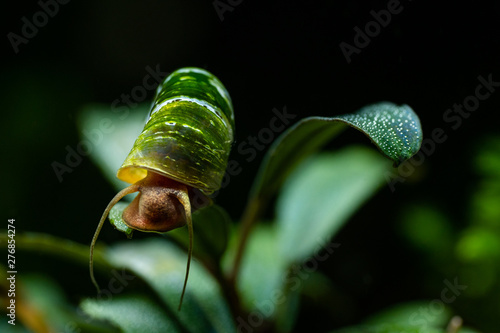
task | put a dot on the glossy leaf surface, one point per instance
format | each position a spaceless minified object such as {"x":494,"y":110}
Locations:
{"x":131,"y":313}
{"x":163,"y":265}
{"x":395,"y":130}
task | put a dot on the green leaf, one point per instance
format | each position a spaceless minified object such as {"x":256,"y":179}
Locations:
{"x":116,"y":220}
{"x":131,"y":313}
{"x":395,"y":130}
{"x":417,"y":314}
{"x":413,"y":317}
{"x":110,"y":135}
{"x":163,"y":265}
{"x":263,"y":272}
{"x":321,"y":194}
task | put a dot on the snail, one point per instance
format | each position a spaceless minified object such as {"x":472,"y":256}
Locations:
{"x":179,"y":159}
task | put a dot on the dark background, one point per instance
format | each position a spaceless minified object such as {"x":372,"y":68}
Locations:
{"x":268,"y":55}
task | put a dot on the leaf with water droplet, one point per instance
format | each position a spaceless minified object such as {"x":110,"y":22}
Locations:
{"x":395,"y":131}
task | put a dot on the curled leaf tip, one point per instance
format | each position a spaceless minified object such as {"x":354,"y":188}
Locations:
{"x":394,"y":129}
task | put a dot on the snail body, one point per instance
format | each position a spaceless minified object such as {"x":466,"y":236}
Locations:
{"x":180,"y":155}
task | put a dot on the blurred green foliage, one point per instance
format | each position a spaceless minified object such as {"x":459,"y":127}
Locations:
{"x":471,"y":251}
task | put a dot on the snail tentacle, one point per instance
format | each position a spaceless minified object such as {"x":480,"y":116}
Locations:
{"x":183,"y":197}
{"x":131,"y":189}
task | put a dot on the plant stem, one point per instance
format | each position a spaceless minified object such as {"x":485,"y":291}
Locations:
{"x":230,"y":293}
{"x":250,"y":216}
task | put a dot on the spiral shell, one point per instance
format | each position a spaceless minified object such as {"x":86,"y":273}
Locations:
{"x":188,"y":134}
